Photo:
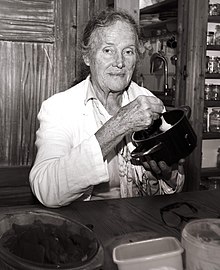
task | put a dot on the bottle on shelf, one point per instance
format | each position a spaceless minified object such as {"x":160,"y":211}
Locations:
{"x":213,"y":64}
{"x":214,"y":120}
{"x":216,"y":92}
{"x":210,"y":38}
{"x":217,"y":34}
{"x":213,"y":10}
{"x":208,"y":91}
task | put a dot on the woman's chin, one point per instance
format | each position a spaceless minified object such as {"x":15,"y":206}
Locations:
{"x":117,"y":85}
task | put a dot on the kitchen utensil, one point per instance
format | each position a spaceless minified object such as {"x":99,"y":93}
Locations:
{"x":201,"y":241}
{"x":158,"y":253}
{"x":85,"y":249}
{"x":171,"y":145}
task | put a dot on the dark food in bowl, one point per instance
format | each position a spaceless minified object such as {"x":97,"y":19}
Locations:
{"x":151,"y":131}
{"x":47,"y":243}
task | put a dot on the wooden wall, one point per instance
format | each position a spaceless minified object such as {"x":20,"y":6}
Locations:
{"x":39,"y":56}
{"x":37,"y":47}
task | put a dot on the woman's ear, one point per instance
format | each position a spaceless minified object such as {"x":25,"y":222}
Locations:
{"x":86,"y":60}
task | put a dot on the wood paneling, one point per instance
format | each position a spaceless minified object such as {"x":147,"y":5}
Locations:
{"x":38,"y":59}
{"x":27,"y":20}
{"x":26,"y":80}
{"x":65,"y":45}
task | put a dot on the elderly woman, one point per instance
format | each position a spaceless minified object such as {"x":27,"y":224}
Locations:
{"x":84,"y":139}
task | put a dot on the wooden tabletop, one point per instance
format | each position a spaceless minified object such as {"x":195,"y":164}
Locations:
{"x":119,"y":221}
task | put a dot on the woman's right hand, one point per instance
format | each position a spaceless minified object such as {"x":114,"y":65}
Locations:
{"x":140,"y":113}
{"x":137,"y":115}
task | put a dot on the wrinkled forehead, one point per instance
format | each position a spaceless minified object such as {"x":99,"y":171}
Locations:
{"x":116,"y":32}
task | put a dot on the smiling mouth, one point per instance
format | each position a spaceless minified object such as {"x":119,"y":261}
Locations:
{"x":117,"y":74}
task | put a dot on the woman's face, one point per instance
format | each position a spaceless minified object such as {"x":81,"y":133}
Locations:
{"x":113,"y":57}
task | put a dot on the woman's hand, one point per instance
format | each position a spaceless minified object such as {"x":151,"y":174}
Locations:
{"x":162,"y":171}
{"x":139,"y":114}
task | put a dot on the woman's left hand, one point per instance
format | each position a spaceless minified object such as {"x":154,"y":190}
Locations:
{"x":162,"y":171}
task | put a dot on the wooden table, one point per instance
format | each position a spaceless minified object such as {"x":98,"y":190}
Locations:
{"x":122,"y":220}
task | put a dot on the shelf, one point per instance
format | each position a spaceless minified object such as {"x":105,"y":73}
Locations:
{"x":212,"y":75}
{"x":212,"y":103}
{"x":149,"y":30}
{"x":209,"y":172}
{"x":214,"y":19}
{"x":211,"y":135}
{"x":213,"y":47}
{"x":164,"y":5}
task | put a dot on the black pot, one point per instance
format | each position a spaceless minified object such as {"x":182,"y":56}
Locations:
{"x":170,"y":146}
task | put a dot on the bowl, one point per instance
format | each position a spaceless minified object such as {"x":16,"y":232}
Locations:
{"x":41,"y":239}
{"x":157,"y":253}
{"x":201,"y":241}
{"x":171,"y":145}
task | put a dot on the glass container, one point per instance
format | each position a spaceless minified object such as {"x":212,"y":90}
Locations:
{"x":208,"y":92}
{"x":210,"y":38}
{"x":213,"y":64}
{"x":216,"y":92}
{"x":214,"y":120}
{"x":217,"y":35}
{"x":213,"y":10}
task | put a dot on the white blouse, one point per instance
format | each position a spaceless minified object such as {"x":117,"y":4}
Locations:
{"x":69,"y":161}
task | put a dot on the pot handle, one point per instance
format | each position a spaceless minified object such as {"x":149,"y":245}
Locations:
{"x":187,"y":110}
{"x":140,"y":152}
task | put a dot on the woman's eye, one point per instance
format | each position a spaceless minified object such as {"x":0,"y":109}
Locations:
{"x":129,"y":52}
{"x":108,"y":51}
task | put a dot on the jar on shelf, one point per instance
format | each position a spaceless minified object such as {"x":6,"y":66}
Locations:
{"x":214,"y":120}
{"x":205,"y":119}
{"x":216,"y":92}
{"x":213,"y":10}
{"x":208,"y":92}
{"x":213,"y":64}
{"x":218,"y":9}
{"x":217,"y":35}
{"x":211,"y":38}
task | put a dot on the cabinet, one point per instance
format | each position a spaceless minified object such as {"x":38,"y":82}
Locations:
{"x":211,"y":140}
{"x":158,"y":24}
{"x":163,"y":15}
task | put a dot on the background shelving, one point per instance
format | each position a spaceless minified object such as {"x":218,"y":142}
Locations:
{"x":207,"y":172}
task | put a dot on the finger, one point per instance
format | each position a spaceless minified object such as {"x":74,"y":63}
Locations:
{"x":146,"y":165}
{"x":157,"y":105}
{"x":181,"y":166}
{"x":155,"y":168}
{"x":152,"y":102}
{"x":155,"y":100}
{"x":164,"y":167}
{"x":166,"y":170}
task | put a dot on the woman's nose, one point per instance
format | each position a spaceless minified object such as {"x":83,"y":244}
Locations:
{"x":119,"y":60}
